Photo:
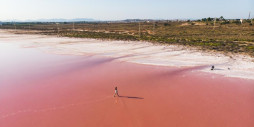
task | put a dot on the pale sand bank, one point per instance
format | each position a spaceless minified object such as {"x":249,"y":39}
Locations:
{"x":138,"y":52}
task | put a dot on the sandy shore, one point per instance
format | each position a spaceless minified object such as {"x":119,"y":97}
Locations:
{"x":139,"y":52}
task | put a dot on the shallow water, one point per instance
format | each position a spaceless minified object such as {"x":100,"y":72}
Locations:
{"x":40,"y":89}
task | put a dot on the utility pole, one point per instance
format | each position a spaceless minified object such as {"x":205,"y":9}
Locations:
{"x":154,"y":28}
{"x":214,"y":24}
{"x":73,"y":27}
{"x":15,"y":26}
{"x":57,"y":28}
{"x":249,"y":15}
{"x":139,"y":32}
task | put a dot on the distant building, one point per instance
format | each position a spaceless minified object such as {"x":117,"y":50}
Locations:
{"x":241,"y":20}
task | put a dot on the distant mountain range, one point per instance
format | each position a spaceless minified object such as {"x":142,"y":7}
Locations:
{"x":54,"y":20}
{"x":93,"y":20}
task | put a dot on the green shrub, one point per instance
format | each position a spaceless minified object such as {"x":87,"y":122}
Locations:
{"x":248,"y":21}
{"x":224,"y":22}
{"x":236,"y":22}
{"x":167,"y":24}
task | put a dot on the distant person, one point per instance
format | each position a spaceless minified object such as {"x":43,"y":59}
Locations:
{"x":212,"y":67}
{"x":116,"y":92}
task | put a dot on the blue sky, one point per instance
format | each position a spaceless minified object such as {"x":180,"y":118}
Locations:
{"x":124,"y":9}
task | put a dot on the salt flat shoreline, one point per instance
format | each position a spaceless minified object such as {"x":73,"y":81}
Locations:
{"x":238,"y":66}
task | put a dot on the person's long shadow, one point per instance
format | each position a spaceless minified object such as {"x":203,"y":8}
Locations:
{"x":130,"y":97}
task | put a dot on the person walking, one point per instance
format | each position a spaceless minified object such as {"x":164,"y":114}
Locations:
{"x":116,"y":92}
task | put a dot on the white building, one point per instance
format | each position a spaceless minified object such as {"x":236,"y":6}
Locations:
{"x":241,"y":20}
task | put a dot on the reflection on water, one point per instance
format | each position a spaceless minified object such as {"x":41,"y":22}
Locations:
{"x":22,"y":63}
{"x":27,"y":63}
{"x":17,"y":63}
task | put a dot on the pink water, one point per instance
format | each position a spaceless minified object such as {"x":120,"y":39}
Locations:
{"x":46,"y":90}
